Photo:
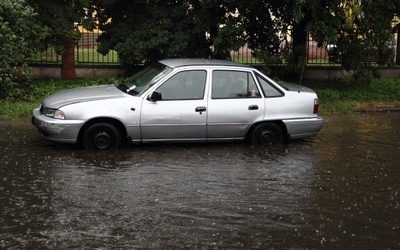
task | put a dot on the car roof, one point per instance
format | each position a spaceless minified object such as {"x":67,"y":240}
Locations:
{"x":181,"y":62}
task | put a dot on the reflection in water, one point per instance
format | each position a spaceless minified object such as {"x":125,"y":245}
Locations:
{"x":357,"y":191}
{"x":339,"y":189}
{"x":160,"y":196}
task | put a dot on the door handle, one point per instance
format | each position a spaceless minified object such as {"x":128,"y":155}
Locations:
{"x":200,"y":109}
{"x":253,"y":107}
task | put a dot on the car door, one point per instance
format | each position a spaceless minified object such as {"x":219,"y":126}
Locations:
{"x":180,"y":112}
{"x":234,"y":105}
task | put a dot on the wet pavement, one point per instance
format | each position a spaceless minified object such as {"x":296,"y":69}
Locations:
{"x":337,"y":190}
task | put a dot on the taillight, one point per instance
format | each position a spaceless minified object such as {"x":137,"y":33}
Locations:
{"x":316,"y":106}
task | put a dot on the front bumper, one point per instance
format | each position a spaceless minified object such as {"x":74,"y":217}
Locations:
{"x":64,"y":131}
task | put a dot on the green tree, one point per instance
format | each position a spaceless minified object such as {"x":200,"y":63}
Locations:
{"x":361,"y":31}
{"x":19,"y":36}
{"x":59,"y":16}
{"x":276,"y":31}
{"x":143,"y":31}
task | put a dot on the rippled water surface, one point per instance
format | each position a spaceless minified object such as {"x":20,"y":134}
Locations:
{"x":337,"y":190}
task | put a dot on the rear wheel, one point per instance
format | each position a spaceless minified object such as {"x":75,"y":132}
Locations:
{"x":101,"y":136}
{"x":267,"y":134}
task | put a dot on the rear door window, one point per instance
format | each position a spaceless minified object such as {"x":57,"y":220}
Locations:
{"x":268,"y":89}
{"x":233,"y":84}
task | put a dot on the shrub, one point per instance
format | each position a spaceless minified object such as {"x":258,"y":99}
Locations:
{"x":19,"y":39}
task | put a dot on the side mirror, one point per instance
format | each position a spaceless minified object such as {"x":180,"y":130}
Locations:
{"x":155,"y":96}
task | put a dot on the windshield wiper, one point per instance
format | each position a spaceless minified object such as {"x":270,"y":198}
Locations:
{"x":131,"y":88}
{"x":125,"y":89}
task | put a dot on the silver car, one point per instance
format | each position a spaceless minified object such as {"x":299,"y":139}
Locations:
{"x":185,"y":100}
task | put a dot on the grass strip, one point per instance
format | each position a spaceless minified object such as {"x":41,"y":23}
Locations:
{"x":335,"y":96}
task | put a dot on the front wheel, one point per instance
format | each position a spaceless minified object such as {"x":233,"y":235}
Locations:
{"x":267,"y":134}
{"x":101,"y":136}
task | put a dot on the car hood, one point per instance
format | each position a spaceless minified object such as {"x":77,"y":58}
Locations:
{"x":85,"y":94}
{"x":295,"y":87}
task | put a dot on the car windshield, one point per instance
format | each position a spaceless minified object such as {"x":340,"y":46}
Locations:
{"x":144,"y":79}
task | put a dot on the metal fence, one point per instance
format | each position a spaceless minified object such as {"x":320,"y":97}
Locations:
{"x":317,"y":54}
{"x":323,"y":54}
{"x":49,"y":56}
{"x":86,"y":50}
{"x":86,"y":53}
{"x":244,"y":55}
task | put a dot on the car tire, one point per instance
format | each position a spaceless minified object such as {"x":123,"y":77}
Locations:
{"x":101,"y":136}
{"x":267,"y":134}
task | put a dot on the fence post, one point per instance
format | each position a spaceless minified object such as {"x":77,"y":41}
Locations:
{"x":398,"y":44}
{"x":68,"y":59}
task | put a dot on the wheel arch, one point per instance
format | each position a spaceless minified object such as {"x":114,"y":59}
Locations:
{"x":280,"y":123}
{"x":115,"y":122}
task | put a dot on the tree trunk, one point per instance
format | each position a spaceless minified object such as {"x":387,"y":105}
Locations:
{"x":299,"y":40}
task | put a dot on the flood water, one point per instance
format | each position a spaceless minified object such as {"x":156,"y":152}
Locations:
{"x":337,"y":190}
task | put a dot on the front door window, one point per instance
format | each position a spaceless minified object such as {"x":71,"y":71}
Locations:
{"x":186,"y":85}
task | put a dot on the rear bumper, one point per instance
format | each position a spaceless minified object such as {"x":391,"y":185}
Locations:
{"x":303,"y":128}
{"x":64,"y":131}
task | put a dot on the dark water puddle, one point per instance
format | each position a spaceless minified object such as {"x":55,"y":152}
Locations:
{"x":337,"y":190}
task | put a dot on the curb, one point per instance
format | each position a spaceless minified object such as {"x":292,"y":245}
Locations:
{"x":395,"y":109}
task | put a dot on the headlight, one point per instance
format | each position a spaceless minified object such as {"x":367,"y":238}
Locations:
{"x":54,"y":113}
